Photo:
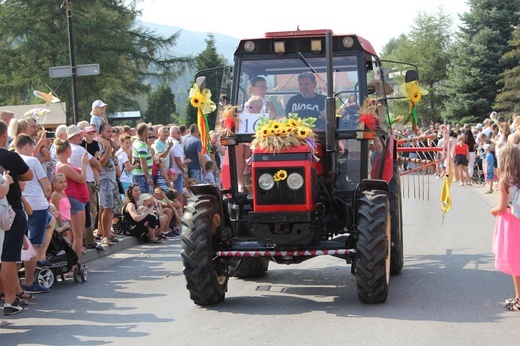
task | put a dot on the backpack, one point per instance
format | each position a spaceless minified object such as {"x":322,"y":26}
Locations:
{"x":515,"y":203}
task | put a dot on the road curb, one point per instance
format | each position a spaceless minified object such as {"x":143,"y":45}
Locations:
{"x":123,"y":243}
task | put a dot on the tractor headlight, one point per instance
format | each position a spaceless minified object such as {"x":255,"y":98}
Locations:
{"x":266,"y":181}
{"x":294,"y":181}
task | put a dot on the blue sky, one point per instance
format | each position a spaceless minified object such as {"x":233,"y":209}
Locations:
{"x":376,"y":20}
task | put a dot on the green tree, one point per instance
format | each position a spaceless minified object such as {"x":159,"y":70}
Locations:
{"x":161,"y":106}
{"x":477,"y":64}
{"x":211,"y":65}
{"x":34,"y":38}
{"x":427,"y":45}
{"x":508,"y":100}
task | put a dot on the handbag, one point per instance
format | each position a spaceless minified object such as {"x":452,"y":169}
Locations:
{"x":7,"y":215}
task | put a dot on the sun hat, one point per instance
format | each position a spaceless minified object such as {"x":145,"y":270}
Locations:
{"x":144,"y":197}
{"x":98,"y":103}
{"x":89,"y":129}
{"x":479,"y":126}
{"x":73,"y":130}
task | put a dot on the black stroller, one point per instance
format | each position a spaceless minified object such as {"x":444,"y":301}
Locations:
{"x":63,"y":258}
{"x":478,"y":174}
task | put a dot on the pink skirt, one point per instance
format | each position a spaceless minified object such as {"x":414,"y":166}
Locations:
{"x":506,"y":243}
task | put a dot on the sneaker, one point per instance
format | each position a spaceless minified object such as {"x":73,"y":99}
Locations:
{"x":12,"y":309}
{"x":35,"y":288}
{"x":43,"y":264}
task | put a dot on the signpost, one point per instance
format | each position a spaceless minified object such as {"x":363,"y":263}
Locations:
{"x":81,"y":70}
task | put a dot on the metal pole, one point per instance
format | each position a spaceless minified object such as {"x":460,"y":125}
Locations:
{"x":72,"y":62}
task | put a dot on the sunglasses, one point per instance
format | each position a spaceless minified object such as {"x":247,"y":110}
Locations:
{"x":249,"y":107}
{"x":151,"y":137}
{"x":114,"y":131}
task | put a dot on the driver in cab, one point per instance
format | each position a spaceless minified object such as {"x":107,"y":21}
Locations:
{"x":308,"y":103}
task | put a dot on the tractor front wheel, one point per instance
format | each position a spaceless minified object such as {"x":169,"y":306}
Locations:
{"x":205,"y":279}
{"x":373,"y":247}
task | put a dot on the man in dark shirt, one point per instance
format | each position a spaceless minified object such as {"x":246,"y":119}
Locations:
{"x":13,"y":241}
{"x":192,"y":146}
{"x":308,"y":103}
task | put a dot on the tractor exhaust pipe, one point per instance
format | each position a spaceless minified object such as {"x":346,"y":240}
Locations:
{"x":330,"y":109}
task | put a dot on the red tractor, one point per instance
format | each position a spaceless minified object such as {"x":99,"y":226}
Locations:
{"x":339,"y":196}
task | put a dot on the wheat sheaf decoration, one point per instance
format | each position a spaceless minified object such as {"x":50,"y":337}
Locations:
{"x":282,"y":134}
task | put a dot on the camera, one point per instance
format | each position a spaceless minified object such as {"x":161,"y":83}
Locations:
{"x":51,"y":134}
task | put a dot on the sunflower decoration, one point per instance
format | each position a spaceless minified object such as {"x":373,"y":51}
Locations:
{"x":280,"y":175}
{"x":202,"y":101}
{"x":281,"y":134}
{"x":413,"y":94}
{"x":229,"y":120}
{"x":368,"y":115}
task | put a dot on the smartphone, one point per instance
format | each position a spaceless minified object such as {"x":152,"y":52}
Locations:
{"x":51,"y":134}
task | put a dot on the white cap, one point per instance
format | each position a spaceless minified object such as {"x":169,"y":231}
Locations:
{"x":98,"y":103}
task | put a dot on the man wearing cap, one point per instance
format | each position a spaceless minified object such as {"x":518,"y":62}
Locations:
{"x":74,"y":135}
{"x":97,"y":115}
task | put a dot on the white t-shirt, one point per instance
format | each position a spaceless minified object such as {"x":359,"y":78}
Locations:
{"x":176,"y":151}
{"x":75,"y":160}
{"x":122,"y":157}
{"x":33,"y":192}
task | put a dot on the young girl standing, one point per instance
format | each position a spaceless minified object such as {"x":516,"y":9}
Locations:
{"x":506,"y":238}
{"x":59,"y":199}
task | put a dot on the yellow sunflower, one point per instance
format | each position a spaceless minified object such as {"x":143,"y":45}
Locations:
{"x":280,"y":175}
{"x":196,"y":96}
{"x":303,"y":132}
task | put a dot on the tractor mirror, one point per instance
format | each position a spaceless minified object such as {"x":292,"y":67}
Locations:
{"x":411,"y":75}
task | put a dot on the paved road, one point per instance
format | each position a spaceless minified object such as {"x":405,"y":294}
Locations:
{"x":448,"y":293}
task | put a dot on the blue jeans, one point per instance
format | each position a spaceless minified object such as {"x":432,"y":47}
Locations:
{"x":195,"y":174}
{"x":37,"y":224}
{"x":178,"y":184}
{"x":142,"y":182}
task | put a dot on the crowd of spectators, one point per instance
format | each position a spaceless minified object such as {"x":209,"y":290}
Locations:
{"x":88,"y":180}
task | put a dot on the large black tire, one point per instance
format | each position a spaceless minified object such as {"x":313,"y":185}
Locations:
{"x":252,"y":267}
{"x":396,"y":216}
{"x":373,"y":247}
{"x":205,"y":282}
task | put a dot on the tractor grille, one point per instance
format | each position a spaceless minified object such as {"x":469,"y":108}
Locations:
{"x":280,"y":193}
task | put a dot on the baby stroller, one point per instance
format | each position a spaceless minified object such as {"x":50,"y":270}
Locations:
{"x":478,"y":174}
{"x":63,"y":258}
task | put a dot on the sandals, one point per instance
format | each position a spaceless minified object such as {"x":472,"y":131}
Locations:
{"x":488,"y":192}
{"x":106,"y":241}
{"x":157,"y":241}
{"x":26,"y":296}
{"x":512,"y":304}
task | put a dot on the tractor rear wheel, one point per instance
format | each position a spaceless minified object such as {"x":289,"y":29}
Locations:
{"x":373,"y":247}
{"x":206,"y":280}
{"x":252,"y":267}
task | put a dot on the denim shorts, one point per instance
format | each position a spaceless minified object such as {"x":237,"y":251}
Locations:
{"x":37,"y":224}
{"x":107,"y":189}
{"x":142,"y":182}
{"x":75,"y":205}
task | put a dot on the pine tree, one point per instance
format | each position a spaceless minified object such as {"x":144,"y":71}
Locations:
{"x":161,"y":106}
{"x":34,"y":38}
{"x":508,"y":100}
{"x":477,"y":62}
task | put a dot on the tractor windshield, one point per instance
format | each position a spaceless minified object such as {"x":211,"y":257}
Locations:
{"x":277,"y":87}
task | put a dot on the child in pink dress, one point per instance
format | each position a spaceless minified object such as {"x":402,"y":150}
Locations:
{"x":506,"y":238}
{"x":60,"y":200}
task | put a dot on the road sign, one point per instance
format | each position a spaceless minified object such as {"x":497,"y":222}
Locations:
{"x":81,"y":70}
